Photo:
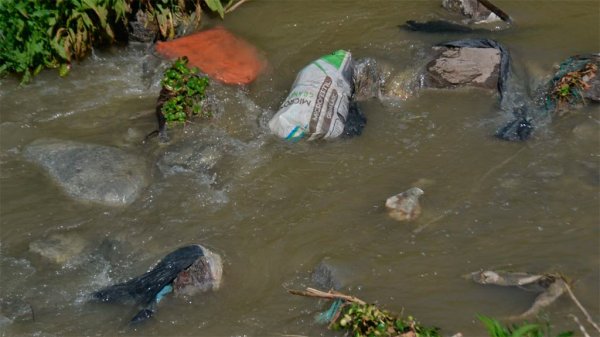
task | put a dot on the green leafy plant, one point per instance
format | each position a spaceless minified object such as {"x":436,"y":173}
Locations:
{"x":369,"y":321}
{"x":38,"y":34}
{"x":186,"y":90}
{"x":496,"y":329}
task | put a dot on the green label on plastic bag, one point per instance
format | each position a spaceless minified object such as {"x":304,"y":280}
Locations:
{"x":336,"y":58}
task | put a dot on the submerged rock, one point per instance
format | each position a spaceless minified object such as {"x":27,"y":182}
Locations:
{"x":59,"y":248}
{"x":326,"y":275}
{"x":14,"y":309}
{"x":457,"y":67}
{"x":90,"y":172}
{"x":405,"y":206}
{"x":193,"y":156}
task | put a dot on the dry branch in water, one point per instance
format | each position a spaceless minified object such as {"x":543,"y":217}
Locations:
{"x":330,"y":295}
{"x":587,"y":315}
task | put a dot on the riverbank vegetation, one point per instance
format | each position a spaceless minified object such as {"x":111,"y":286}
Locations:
{"x":360,"y":319}
{"x":39,"y":34}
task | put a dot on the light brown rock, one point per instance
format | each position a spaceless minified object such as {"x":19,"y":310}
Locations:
{"x":457,"y":67}
{"x":405,"y":206}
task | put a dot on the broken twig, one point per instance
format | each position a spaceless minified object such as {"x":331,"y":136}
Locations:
{"x":502,"y":14}
{"x":232,"y":8}
{"x":581,"y":327}
{"x":330,"y":295}
{"x":587,"y":315}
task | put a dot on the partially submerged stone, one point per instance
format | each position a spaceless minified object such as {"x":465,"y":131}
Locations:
{"x":59,"y":248}
{"x":405,"y":206}
{"x":185,"y":271}
{"x":471,"y":9}
{"x":91,"y":172}
{"x":550,"y":286}
{"x":203,"y":275}
{"x":458,"y":67}
{"x":367,"y":79}
{"x":196,"y":156}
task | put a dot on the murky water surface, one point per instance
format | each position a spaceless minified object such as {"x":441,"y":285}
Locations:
{"x":275,"y":210}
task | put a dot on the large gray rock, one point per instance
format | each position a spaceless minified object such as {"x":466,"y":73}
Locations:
{"x":91,"y":172}
{"x":457,"y":67}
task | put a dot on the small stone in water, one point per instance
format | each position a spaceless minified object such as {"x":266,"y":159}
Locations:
{"x":405,"y":206}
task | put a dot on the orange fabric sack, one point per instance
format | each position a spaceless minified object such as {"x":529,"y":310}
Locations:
{"x":218,"y":53}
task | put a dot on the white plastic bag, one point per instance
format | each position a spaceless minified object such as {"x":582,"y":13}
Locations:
{"x":317,"y":106}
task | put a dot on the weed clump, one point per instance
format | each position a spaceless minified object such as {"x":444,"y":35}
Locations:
{"x":369,"y":321}
{"x":185,"y":89}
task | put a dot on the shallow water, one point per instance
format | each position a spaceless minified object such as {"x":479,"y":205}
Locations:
{"x":275,"y":210}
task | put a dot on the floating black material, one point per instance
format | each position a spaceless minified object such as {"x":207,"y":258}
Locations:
{"x":519,"y":129}
{"x":355,"y":121}
{"x":143,"y":289}
{"x":438,"y":26}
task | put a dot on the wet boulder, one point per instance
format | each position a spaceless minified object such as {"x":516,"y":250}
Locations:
{"x":91,"y":172}
{"x":197,"y":156}
{"x":205,"y":274}
{"x":471,"y":9}
{"x":199,"y":152}
{"x":455,"y":67}
{"x":367,"y":79}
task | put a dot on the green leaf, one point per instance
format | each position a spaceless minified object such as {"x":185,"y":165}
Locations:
{"x":525,"y":329}
{"x":216,"y":6}
{"x":63,"y":70}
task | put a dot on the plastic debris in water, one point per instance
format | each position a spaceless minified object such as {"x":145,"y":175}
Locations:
{"x":405,"y":206}
{"x":218,"y":53}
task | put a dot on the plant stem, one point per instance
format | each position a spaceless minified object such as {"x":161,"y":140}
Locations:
{"x":581,"y":327}
{"x":587,"y":315}
{"x":232,"y":8}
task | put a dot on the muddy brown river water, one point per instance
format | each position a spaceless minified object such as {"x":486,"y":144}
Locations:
{"x":275,"y":210}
